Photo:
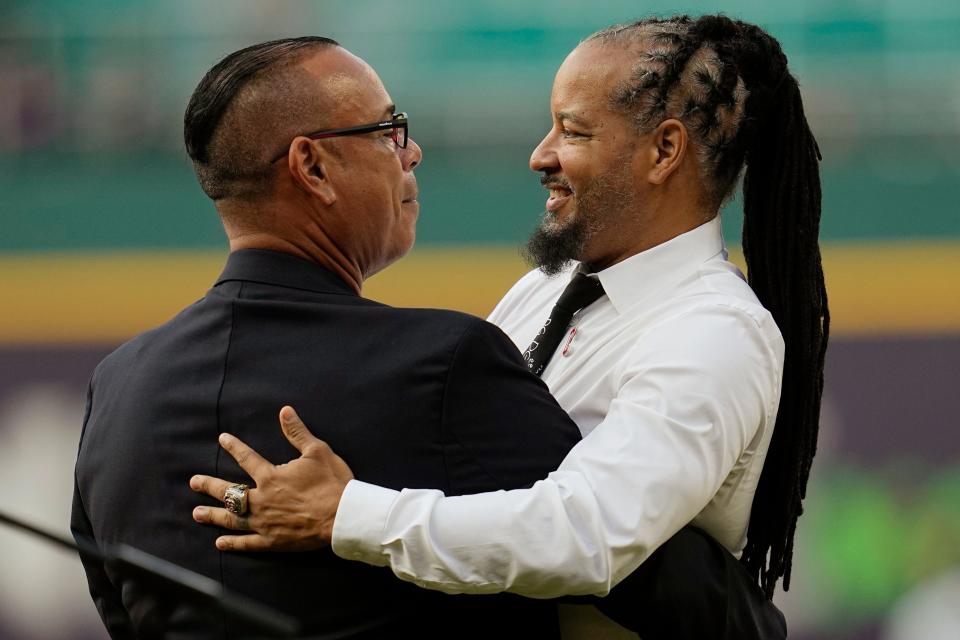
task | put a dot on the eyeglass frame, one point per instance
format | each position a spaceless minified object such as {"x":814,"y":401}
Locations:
{"x":398,"y":121}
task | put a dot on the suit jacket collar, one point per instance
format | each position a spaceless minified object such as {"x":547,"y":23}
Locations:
{"x":281,"y":269}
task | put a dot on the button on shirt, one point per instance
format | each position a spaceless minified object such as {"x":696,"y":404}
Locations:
{"x":674,"y":380}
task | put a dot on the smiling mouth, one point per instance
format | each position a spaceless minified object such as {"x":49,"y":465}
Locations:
{"x":559,"y":196}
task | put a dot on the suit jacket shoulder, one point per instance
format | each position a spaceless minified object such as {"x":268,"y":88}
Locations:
{"x":409,"y":397}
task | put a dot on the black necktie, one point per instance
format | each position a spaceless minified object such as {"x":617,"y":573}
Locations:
{"x":579,"y":294}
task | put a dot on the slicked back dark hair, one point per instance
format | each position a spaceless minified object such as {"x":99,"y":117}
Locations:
{"x":214,"y":96}
{"x":728,"y":82}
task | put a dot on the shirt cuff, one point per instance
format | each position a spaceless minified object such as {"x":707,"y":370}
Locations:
{"x":360,"y":521}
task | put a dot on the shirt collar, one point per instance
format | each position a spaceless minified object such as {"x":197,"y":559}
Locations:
{"x":281,"y":269}
{"x":642,"y":276}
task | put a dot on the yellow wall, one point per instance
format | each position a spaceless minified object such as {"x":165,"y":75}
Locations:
{"x":81,"y":297}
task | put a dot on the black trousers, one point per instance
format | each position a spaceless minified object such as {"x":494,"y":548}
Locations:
{"x":692,"y":587}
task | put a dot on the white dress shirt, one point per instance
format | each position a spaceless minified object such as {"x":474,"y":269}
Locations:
{"x":674,"y":380}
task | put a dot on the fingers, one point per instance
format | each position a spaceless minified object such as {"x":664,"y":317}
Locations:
{"x":227,"y":520}
{"x":296,"y":432}
{"x":221,"y":518}
{"x":252,"y":542}
{"x":213,"y":487}
{"x":309,"y":445}
{"x":248,"y":459}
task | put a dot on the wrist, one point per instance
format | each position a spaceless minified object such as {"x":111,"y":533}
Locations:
{"x":357,"y":528}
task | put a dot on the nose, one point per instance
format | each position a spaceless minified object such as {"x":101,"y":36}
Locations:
{"x":544,"y":157}
{"x":411,"y":156}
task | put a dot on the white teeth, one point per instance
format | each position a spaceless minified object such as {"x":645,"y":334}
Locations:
{"x":558,"y":193}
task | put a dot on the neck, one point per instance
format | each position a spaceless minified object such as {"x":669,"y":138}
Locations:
{"x":664,"y":212}
{"x":657,"y":230}
{"x":293,"y":227}
{"x":325,"y":254}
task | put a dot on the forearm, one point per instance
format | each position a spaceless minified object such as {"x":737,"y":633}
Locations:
{"x":618,"y":495}
{"x":578,"y":532}
{"x":542,"y":542}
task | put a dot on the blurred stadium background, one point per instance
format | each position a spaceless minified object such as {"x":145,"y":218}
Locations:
{"x":104,"y":232}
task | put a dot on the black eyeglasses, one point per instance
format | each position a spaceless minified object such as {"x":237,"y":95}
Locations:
{"x":397,"y":125}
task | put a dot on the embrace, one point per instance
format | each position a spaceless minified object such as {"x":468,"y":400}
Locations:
{"x":632,"y":428}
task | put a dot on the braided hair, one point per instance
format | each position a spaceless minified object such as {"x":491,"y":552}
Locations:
{"x":728,"y":82}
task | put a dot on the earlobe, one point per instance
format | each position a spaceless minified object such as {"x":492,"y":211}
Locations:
{"x":307,"y":163}
{"x":669,"y":148}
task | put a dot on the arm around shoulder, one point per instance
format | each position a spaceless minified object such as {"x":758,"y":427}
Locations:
{"x":671,"y":436}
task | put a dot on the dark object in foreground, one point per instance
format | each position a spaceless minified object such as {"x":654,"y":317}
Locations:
{"x":168,"y":581}
{"x":691,"y":587}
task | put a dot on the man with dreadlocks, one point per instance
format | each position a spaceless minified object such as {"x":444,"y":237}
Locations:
{"x":698,"y":395}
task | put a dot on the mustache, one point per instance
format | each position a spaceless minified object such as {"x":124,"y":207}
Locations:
{"x":555,"y":181}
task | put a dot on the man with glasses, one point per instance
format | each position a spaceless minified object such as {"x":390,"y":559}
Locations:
{"x":312,"y":173}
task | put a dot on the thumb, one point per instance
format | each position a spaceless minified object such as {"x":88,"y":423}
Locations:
{"x":295,"y":431}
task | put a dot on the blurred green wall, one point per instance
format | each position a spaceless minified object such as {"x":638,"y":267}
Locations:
{"x":91,"y":155}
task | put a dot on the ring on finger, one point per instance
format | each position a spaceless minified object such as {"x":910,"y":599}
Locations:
{"x":235,"y":499}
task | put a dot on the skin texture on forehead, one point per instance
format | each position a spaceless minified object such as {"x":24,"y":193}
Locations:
{"x":343,"y":86}
{"x":351,"y":86}
{"x":584,"y":82}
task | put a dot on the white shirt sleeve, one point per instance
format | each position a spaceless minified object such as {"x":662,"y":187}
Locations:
{"x":692,"y":396}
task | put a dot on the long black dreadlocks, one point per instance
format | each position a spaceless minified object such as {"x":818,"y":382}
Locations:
{"x":728,"y":82}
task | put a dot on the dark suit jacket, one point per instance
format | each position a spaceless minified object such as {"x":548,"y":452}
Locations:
{"x":409,"y":397}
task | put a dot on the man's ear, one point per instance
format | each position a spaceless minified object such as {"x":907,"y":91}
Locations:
{"x":668,"y":148}
{"x":307,"y":162}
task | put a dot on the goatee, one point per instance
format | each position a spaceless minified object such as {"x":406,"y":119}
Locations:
{"x":552,"y":246}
